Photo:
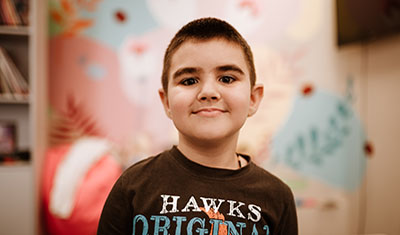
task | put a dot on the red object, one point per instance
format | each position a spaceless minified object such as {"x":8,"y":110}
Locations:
{"x":369,"y":149}
{"x":307,"y":90}
{"x":120,"y":16}
{"x":90,"y":196}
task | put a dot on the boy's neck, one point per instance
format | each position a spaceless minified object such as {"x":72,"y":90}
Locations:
{"x":216,"y":155}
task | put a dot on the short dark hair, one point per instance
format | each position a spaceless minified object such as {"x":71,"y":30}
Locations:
{"x":202,"y":30}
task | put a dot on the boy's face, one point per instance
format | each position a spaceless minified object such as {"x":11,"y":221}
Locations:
{"x":209,"y":92}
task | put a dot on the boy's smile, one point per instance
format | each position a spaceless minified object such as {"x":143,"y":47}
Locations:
{"x":209,"y":111}
{"x":209,"y":92}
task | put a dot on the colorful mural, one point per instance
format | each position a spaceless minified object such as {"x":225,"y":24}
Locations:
{"x":105,"y":69}
{"x":112,"y":52}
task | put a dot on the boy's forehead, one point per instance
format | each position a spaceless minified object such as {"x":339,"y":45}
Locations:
{"x":192,"y":50}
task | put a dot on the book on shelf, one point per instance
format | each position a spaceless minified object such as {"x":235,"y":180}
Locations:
{"x":14,"y":12}
{"x":13,"y":86}
{"x":10,"y":152}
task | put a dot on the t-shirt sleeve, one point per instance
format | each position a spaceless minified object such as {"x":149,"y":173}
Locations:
{"x":117,"y":211}
{"x":288,"y":223}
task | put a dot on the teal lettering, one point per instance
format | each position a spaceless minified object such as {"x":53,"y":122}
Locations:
{"x":215,"y":225}
{"x":232,"y":230}
{"x":157,"y":227}
{"x":145,"y":224}
{"x":255,"y":232}
{"x":201,"y":230}
{"x":179,"y":220}
{"x":266,"y":228}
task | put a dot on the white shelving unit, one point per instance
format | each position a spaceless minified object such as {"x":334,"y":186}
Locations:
{"x":17,"y":214}
{"x":16,"y":41}
{"x":19,"y":182}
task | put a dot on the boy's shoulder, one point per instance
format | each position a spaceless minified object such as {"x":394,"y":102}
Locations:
{"x":269,"y":180}
{"x":148,"y":163}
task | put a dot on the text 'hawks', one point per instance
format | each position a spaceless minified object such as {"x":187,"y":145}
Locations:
{"x":211,"y":203}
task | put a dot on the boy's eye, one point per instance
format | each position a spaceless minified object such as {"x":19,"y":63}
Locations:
{"x":188,"y":81}
{"x":227,"y":79}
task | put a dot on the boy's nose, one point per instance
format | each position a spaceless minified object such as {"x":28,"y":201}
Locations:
{"x":209,"y":91}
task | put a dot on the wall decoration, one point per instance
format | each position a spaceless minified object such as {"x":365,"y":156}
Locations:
{"x":323,"y":138}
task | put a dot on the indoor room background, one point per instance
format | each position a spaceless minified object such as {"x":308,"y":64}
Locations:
{"x":327,"y":125}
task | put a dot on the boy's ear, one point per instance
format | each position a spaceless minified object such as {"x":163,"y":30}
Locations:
{"x":164,"y":99}
{"x":256,"y":96}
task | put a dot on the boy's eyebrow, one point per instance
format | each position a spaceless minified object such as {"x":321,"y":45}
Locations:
{"x":229,"y":67}
{"x":186,"y":70}
{"x":192,"y":70}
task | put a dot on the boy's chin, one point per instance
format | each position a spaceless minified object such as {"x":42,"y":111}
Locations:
{"x":209,"y":139}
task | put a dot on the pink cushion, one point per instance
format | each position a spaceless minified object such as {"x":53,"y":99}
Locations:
{"x":90,"y":196}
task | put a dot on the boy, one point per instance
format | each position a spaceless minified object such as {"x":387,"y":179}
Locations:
{"x":202,"y":186}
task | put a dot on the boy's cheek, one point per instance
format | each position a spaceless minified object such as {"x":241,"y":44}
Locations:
{"x":178,"y":109}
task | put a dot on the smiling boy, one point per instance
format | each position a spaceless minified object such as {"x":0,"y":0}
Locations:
{"x":202,"y":186}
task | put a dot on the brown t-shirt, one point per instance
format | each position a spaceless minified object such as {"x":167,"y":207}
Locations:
{"x":170,"y":194}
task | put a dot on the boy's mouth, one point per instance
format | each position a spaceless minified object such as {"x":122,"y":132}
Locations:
{"x":209,"y":112}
